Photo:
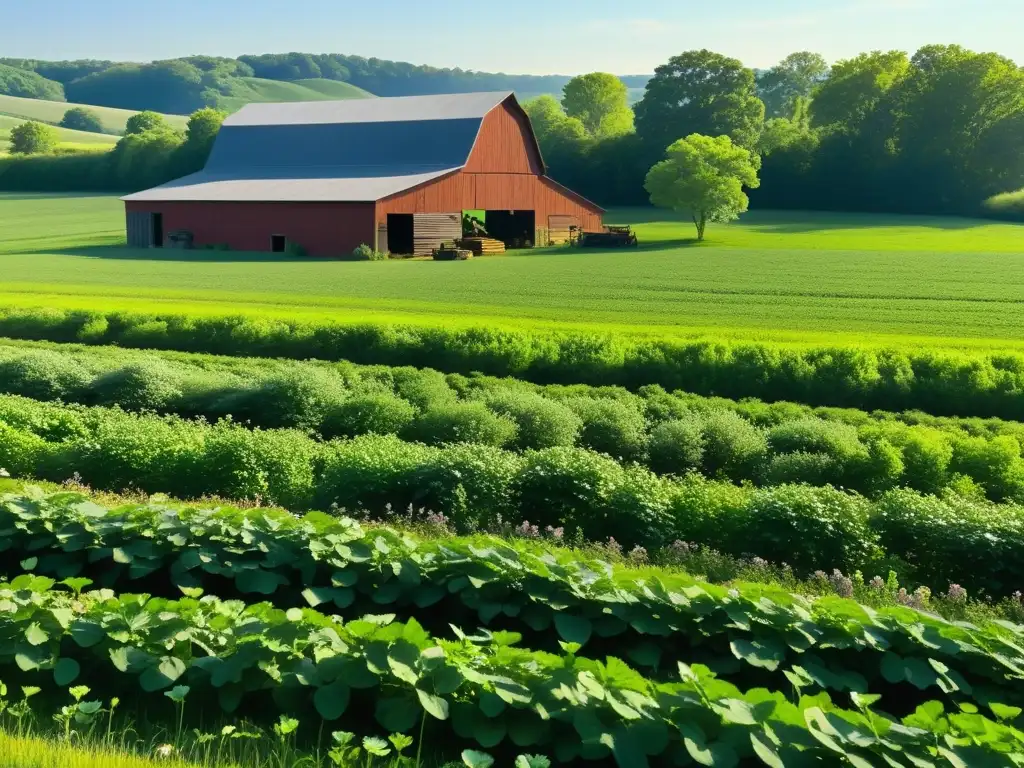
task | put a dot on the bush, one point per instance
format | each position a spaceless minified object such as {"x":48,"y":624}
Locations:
{"x":33,"y":138}
{"x":809,"y":528}
{"x":423,"y":388}
{"x":955,"y":539}
{"x":611,"y":427}
{"x":149,"y":386}
{"x":44,"y":375}
{"x":995,"y":464}
{"x":81,"y":119}
{"x":676,"y":447}
{"x":369,"y":473}
{"x":567,"y":487}
{"x":733,"y":447}
{"x":462,"y":423}
{"x":298,"y":398}
{"x":541,"y":423}
{"x":802,"y":467}
{"x":1009,"y":205}
{"x":381,"y":414}
{"x":366,"y":253}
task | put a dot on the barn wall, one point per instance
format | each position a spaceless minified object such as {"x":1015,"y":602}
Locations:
{"x":466,"y":191}
{"x":505,"y":144}
{"x":323,"y":229}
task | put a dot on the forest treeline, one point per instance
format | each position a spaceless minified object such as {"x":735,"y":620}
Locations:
{"x":181,"y":86}
{"x":939,"y":131}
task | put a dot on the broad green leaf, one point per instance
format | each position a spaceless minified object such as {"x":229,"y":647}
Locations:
{"x":397,"y":713}
{"x":258,"y":582}
{"x":759,"y":653}
{"x":765,"y":749}
{"x":163,"y":674}
{"x":474,"y":759}
{"x":573,"y":629}
{"x":434,"y":705}
{"x":65,"y":672}
{"x":1004,"y":712}
{"x":35,"y":634}
{"x":331,"y":701}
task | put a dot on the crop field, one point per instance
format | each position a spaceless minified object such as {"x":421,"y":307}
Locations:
{"x":957,"y":282}
{"x":53,"y":112}
{"x":520,"y":511}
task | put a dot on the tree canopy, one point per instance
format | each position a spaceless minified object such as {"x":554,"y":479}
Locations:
{"x":82,"y":119}
{"x":700,"y":92}
{"x":33,"y":138}
{"x":704,"y":177}
{"x":792,"y":79}
{"x":145,"y":121}
{"x":601,"y":102}
{"x":28,"y":84}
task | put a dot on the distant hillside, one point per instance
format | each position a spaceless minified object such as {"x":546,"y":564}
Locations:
{"x":24,"y":82}
{"x":255,"y":89}
{"x":68,"y":139}
{"x":180,"y":86}
{"x":53,"y":112}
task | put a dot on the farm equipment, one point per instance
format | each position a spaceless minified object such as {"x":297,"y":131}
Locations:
{"x":449,"y":251}
{"x":612,"y":237}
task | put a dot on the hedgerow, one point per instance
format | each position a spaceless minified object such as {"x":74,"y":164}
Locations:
{"x":670,"y":433}
{"x":936,"y":381}
{"x":571,"y":488}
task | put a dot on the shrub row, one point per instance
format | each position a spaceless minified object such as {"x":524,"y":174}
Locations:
{"x":546,"y":592}
{"x":478,"y":690}
{"x":672,"y":434}
{"x":975,"y":543}
{"x":939,"y":382}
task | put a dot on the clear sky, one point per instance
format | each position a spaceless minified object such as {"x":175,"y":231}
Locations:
{"x":522,"y":36}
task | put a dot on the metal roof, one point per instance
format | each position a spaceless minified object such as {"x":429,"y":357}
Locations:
{"x":359,"y":150}
{"x":288,"y":185}
{"x":394,"y":109}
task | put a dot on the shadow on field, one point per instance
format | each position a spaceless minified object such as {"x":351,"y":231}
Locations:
{"x":795,"y":222}
{"x":121,"y":253}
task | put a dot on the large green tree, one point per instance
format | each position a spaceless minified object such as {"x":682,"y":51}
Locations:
{"x":855,"y":87}
{"x":82,"y":119}
{"x":793,"y":78}
{"x":33,"y":139}
{"x":704,"y":177}
{"x":700,"y":92}
{"x":601,"y":102}
{"x":145,"y":121}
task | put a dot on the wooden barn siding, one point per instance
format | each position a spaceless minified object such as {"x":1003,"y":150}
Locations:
{"x":491,"y":191}
{"x":323,"y":229}
{"x":505,"y":144}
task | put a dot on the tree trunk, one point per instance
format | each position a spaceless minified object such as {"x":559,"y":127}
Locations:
{"x":701,"y":223}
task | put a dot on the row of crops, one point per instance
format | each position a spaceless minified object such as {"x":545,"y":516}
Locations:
{"x":973,"y":542}
{"x":937,"y":381}
{"x":672,"y":434}
{"x":713,"y":675}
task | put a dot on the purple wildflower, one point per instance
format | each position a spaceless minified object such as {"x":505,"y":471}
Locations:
{"x":556,"y":533}
{"x":956,"y":593}
{"x":843,"y":585}
{"x":528,"y":531}
{"x":613,"y":546}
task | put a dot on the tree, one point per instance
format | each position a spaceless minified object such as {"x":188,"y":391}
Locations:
{"x":601,"y":102}
{"x":795,"y":77}
{"x":33,"y":139}
{"x":855,"y":87}
{"x":28,"y":84}
{"x":700,"y":92}
{"x":81,"y":119}
{"x":704,"y":177}
{"x":145,"y":121}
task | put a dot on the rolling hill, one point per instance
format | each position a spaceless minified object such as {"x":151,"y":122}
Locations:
{"x":53,"y":111}
{"x":69,"y":139}
{"x":255,"y":89}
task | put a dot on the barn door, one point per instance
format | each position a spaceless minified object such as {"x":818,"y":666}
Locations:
{"x":558,"y":228}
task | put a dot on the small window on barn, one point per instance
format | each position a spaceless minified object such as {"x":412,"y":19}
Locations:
{"x":278,"y":243}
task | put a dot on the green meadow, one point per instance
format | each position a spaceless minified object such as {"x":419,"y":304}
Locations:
{"x":778,"y":276}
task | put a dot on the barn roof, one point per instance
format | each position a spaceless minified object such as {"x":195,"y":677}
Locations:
{"x":359,"y":150}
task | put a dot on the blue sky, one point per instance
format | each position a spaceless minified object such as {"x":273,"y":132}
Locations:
{"x":524,"y":36}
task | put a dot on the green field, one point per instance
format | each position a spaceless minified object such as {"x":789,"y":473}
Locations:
{"x":260,"y":90}
{"x":53,"y":112}
{"x":773,"y":276}
{"x":68,"y":139}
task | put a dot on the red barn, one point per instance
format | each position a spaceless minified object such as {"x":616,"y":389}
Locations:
{"x":395,"y":173}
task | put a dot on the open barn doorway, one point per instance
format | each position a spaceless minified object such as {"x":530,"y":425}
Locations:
{"x":517,"y":229}
{"x":401,"y":234}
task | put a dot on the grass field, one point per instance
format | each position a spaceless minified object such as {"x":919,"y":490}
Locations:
{"x":68,"y":138}
{"x":53,"y":111}
{"x":260,"y":90}
{"x":792,"y":276}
